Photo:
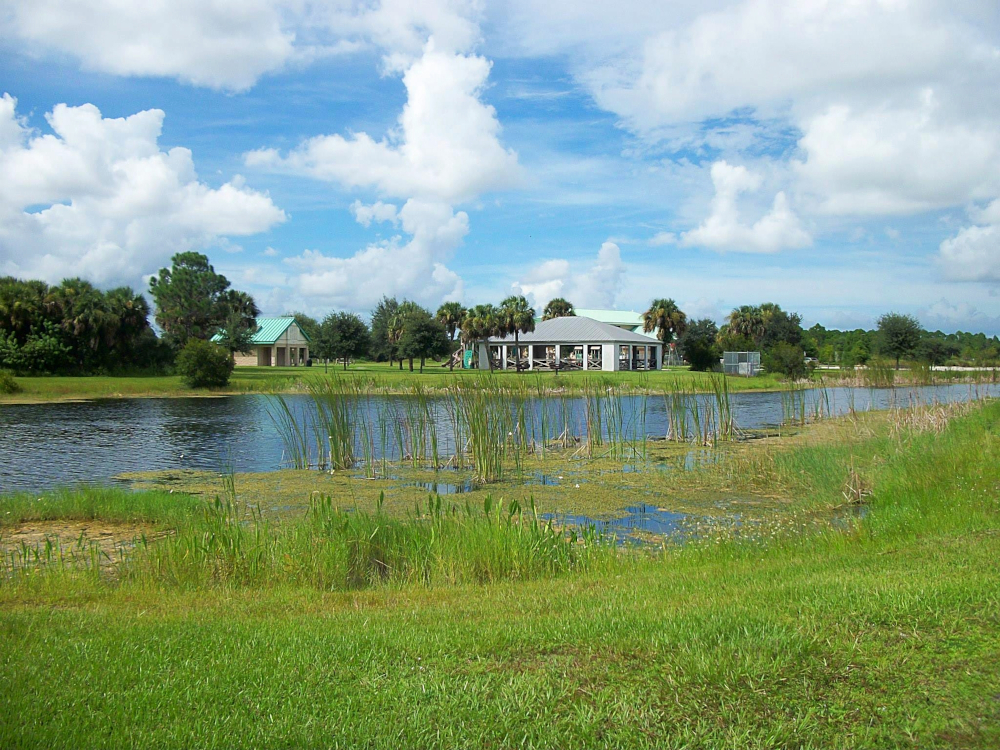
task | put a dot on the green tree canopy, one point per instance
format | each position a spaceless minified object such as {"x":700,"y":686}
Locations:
{"x":423,"y":336}
{"x":665,"y":317}
{"x":383,"y":346}
{"x":698,"y":344}
{"x":898,"y":335}
{"x":746,"y":321}
{"x":481,"y":322}
{"x":450,"y":315}
{"x":343,"y":336}
{"x":190,"y":299}
{"x":558,"y":308}
{"x":73,"y":327}
{"x":515,"y":316}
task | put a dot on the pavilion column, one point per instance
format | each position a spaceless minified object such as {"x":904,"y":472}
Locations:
{"x":609,"y":357}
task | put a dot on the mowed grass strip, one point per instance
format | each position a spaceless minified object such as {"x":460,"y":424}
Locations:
{"x":884,"y":635}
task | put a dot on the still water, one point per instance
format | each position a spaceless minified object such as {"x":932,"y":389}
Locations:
{"x":46,"y":445}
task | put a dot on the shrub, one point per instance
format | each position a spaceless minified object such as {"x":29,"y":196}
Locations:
{"x":786,"y":360}
{"x":698,"y":346}
{"x":203,"y":364}
{"x":7,"y":383}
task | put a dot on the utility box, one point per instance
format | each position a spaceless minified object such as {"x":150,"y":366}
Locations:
{"x":746,"y":364}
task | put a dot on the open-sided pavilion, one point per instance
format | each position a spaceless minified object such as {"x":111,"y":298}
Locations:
{"x":574,"y":343}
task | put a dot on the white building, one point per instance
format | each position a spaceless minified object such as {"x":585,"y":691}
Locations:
{"x":575,"y":343}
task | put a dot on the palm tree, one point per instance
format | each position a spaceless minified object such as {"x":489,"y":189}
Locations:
{"x":451,"y":315}
{"x":665,"y":317}
{"x":558,"y":308}
{"x":517,"y":317}
{"x":748,"y":321}
{"x":481,"y":322}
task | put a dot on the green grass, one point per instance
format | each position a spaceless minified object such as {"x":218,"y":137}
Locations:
{"x":115,"y":505}
{"x":884,"y":634}
{"x":380,"y":377}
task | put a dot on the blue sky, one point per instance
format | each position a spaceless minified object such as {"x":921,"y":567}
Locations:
{"x":840,"y":160}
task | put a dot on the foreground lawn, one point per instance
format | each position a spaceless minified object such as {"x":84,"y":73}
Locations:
{"x":885,"y":634}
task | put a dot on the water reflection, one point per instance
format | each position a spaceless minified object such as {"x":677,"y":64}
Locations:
{"x":43,"y":445}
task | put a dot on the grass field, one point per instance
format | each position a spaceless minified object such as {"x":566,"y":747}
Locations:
{"x":883,"y":633}
{"x":383,"y":378}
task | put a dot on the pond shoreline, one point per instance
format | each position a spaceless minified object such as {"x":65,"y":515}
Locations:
{"x":71,"y":389}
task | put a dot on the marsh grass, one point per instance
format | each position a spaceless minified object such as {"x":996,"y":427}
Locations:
{"x":881,"y":633}
{"x":228,"y":543}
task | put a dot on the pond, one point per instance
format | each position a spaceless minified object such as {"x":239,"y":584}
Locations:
{"x":47,"y":445}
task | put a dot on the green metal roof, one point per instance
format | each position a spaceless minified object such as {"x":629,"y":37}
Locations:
{"x":269,"y":330}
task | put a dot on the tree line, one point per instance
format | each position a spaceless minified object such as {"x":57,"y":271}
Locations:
{"x":75,"y":327}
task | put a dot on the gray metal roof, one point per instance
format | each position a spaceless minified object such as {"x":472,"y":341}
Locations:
{"x":576,"y":329}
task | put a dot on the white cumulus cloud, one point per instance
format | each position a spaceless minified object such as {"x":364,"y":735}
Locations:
{"x":447,"y":147}
{"x":413,"y":268}
{"x":446,"y":151}
{"x":596,"y":285}
{"x":222,"y":44}
{"x":778,"y":229}
{"x":97,"y":197}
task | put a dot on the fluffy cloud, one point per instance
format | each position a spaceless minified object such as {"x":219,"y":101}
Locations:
{"x":223,"y":44}
{"x":944,"y":315}
{"x":412,"y":269}
{"x":893,"y":103}
{"x":229,"y":44}
{"x":777,"y":230}
{"x":446,"y":151}
{"x":898,"y":159}
{"x":377,"y":212}
{"x":973,"y":254}
{"x":98,"y":198}
{"x":595,"y":286}
{"x":447,"y":148}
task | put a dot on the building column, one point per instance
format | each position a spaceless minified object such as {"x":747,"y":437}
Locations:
{"x":609,"y":357}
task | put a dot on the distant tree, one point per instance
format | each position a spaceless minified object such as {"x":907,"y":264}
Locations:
{"x":746,"y":321}
{"x":189,"y":298}
{"x":558,"y":308}
{"x":342,"y":335}
{"x":516,"y":316}
{"x":665,"y":317}
{"x":397,"y":326}
{"x":698,"y":344}
{"x":898,"y":335}
{"x":202,"y":364}
{"x":779,"y":326}
{"x":936,"y":351}
{"x":72,"y":327}
{"x":450,"y":315}
{"x":22,"y":306}
{"x":423,"y":336}
{"x":787,"y":360}
{"x":481,"y":322}
{"x":383,"y":348}
{"x":236,"y":335}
